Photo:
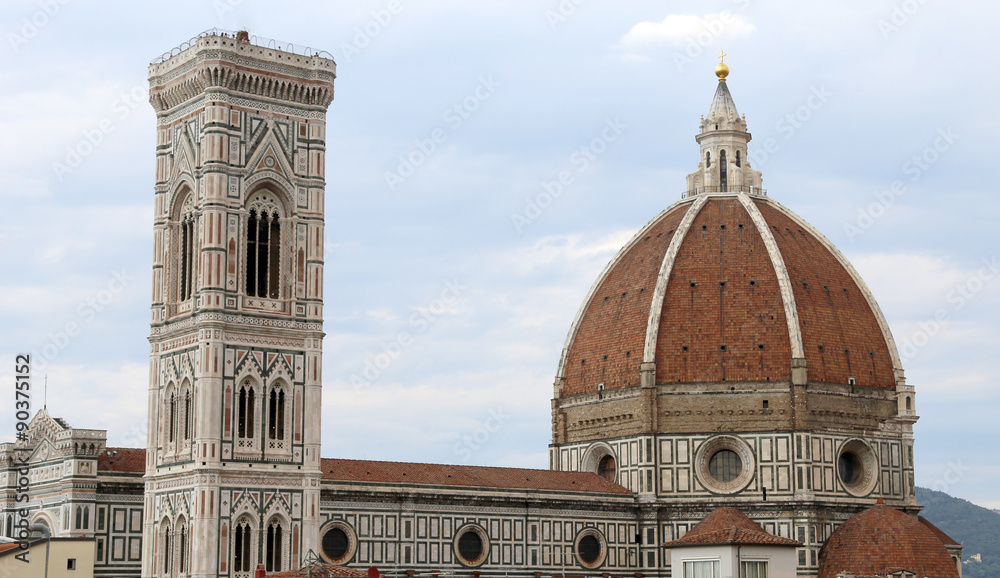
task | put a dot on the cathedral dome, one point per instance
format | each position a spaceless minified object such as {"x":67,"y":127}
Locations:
{"x":727,"y":287}
{"x":883,"y":541}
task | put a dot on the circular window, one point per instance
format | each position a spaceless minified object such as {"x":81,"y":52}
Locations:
{"x":591,"y":549}
{"x":337,"y":543}
{"x":606,"y":468}
{"x":849,"y":466}
{"x":472,"y":545}
{"x":724,"y":464}
{"x":856,"y":468}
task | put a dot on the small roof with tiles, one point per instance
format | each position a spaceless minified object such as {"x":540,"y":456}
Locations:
{"x":125,"y":460}
{"x":729,"y":526}
{"x":466,"y":476}
{"x":883,"y":540}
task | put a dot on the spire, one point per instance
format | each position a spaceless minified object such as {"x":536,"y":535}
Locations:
{"x":723,"y":138}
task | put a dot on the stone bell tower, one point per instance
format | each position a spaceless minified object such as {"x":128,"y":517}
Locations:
{"x":233,"y":451}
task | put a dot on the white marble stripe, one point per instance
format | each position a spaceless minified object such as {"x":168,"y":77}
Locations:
{"x":869,"y":297}
{"x":660,"y":292}
{"x":561,"y":371}
{"x":784,"y":282}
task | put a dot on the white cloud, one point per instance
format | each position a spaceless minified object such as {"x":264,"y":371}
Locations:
{"x":681,"y":29}
{"x":915,"y":285}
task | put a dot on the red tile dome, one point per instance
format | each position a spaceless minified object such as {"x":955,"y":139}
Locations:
{"x":727,"y":287}
{"x":883,"y":540}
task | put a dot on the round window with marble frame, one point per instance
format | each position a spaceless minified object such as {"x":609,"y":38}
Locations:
{"x":594,"y":461}
{"x":352,"y":542}
{"x":856,"y":461}
{"x":703,"y":464}
{"x":588,"y":535}
{"x":484,"y":541}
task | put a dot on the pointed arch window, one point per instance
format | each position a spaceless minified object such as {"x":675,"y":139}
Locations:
{"x":723,"y":180}
{"x":241,"y":547}
{"x":273,"y":547}
{"x":168,"y":552}
{"x":182,"y":563}
{"x":86,"y":518}
{"x":276,"y":414}
{"x":246,"y":404}
{"x":172,"y":419}
{"x":263,"y":243}
{"x":185,"y":246}
{"x":188,"y":414}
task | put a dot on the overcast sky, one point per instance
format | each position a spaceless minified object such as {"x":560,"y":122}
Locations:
{"x":874,"y":120}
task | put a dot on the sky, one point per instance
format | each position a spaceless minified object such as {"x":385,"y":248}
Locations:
{"x":874,"y":120}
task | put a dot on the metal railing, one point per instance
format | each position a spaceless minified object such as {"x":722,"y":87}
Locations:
{"x":253,"y":39}
{"x":750,"y":190}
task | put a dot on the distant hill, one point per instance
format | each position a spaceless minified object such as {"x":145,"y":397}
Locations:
{"x":977,"y":528}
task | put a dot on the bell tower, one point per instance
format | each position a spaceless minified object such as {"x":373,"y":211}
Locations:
{"x":233,"y":449}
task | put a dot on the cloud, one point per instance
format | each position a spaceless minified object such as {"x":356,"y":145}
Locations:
{"x":681,"y":29}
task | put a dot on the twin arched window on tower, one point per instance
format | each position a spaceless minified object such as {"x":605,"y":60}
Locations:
{"x":262,"y":277}
{"x":263,"y":247}
{"x":245,"y":546}
{"x":179,"y":413}
{"x":174,"y":549}
{"x":275,"y":402}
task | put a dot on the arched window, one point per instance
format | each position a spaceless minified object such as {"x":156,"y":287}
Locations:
{"x":708,"y":159}
{"x":168,"y":552}
{"x":276,"y":414}
{"x":738,"y":159}
{"x":263,"y":241}
{"x":86,"y":518}
{"x":185,"y":246}
{"x":723,"y":180}
{"x":79,"y":518}
{"x":182,"y":563}
{"x":909,"y":403}
{"x":273,"y":547}
{"x":172,"y":418}
{"x":187,"y":414}
{"x":245,"y":413}
{"x":241,"y":547}
{"x":606,"y":468}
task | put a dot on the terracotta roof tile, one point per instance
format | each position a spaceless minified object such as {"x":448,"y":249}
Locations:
{"x":728,"y":525}
{"x":882,"y":540}
{"x":466,"y":476}
{"x":723,"y":290}
{"x":129,"y":460}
